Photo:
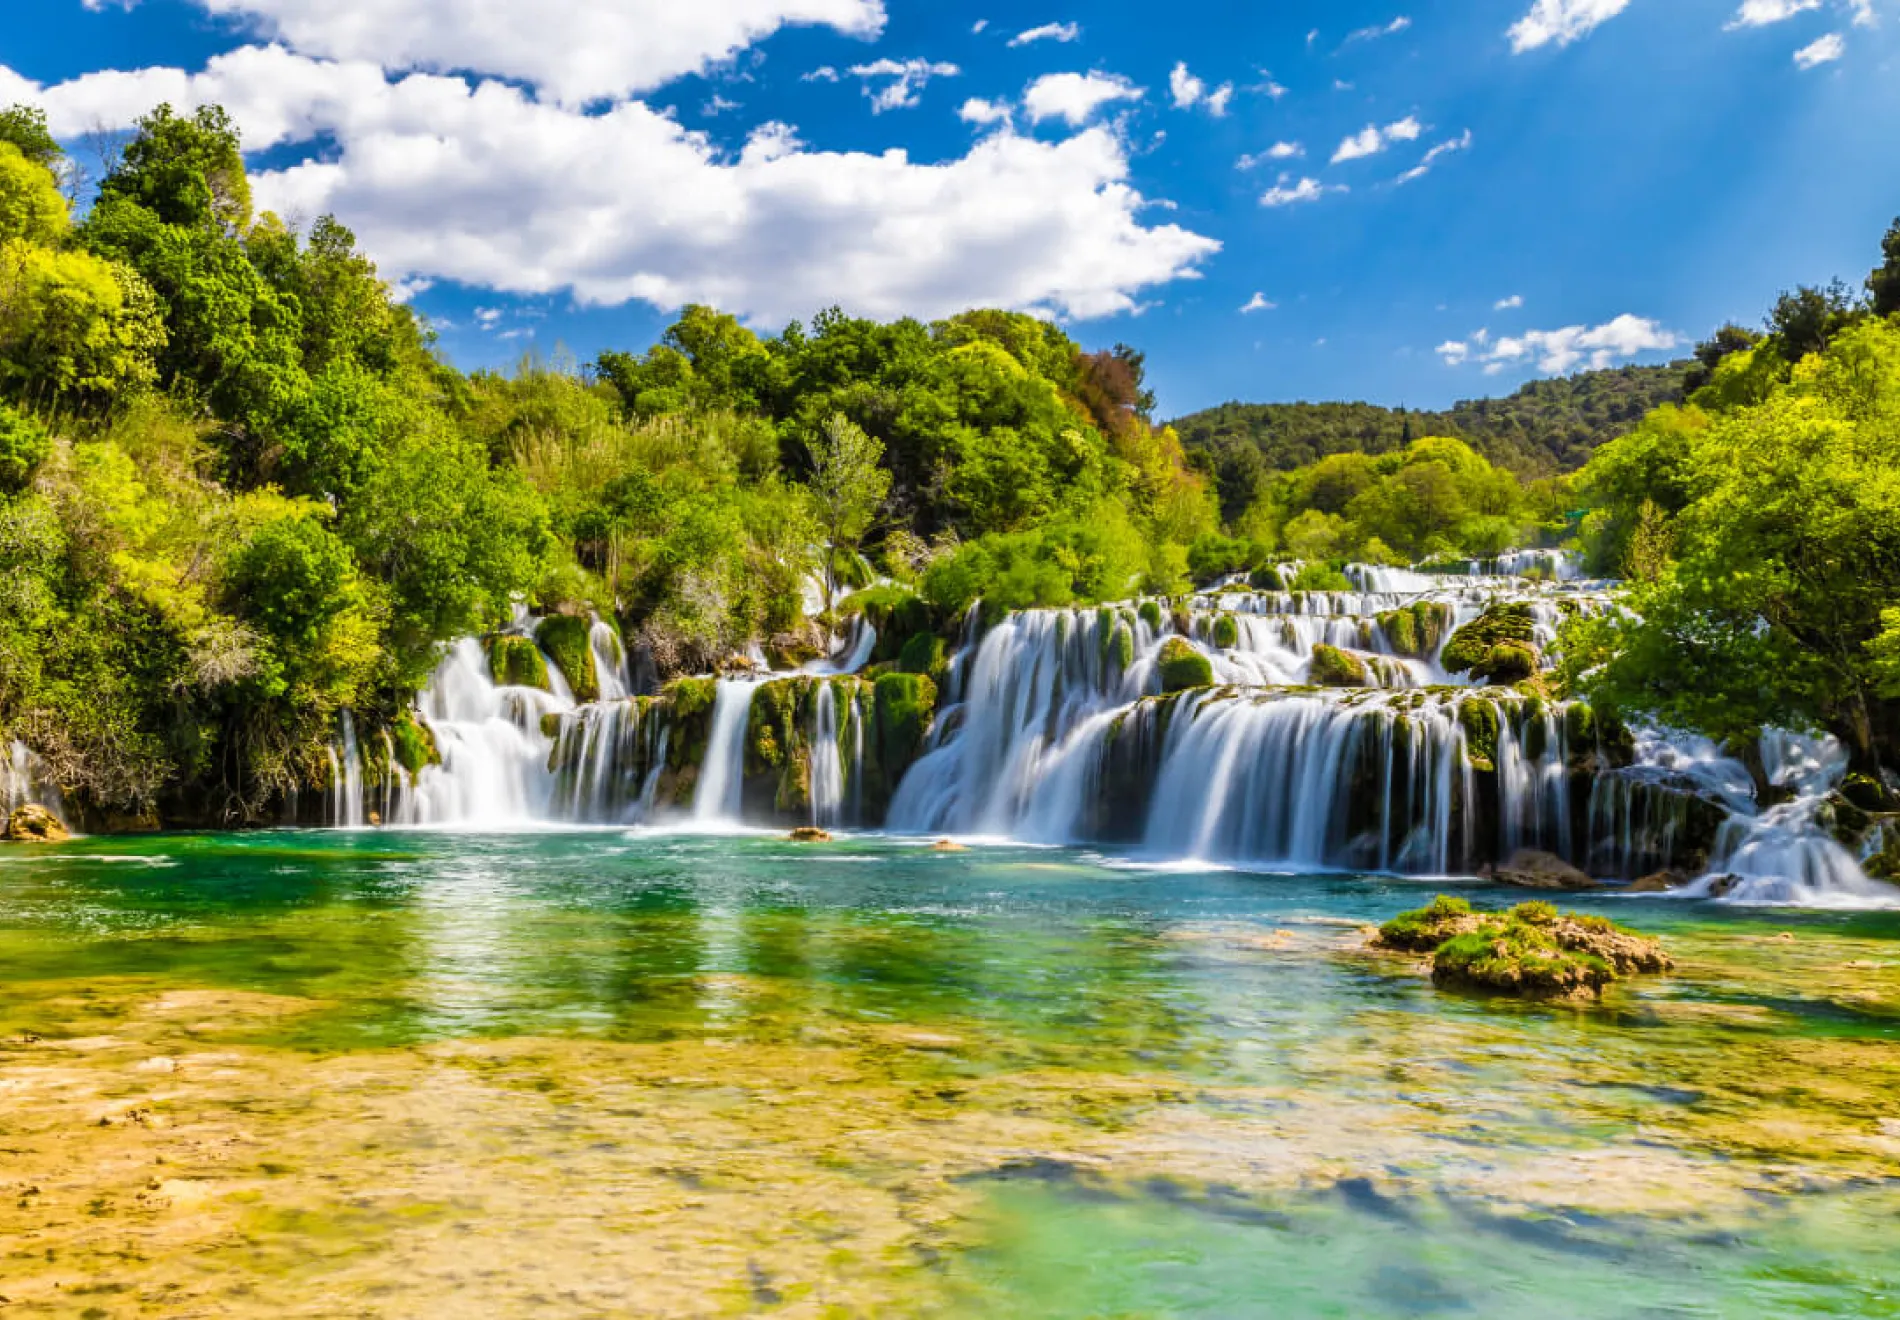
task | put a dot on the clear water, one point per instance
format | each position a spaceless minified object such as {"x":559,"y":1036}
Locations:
{"x":604,"y":1073}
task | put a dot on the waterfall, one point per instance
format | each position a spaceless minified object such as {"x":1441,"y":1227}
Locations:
{"x":827,"y":766}
{"x":347,"y":810}
{"x":610,"y":662}
{"x":494,"y":752}
{"x":24,"y":779}
{"x":718,"y":798}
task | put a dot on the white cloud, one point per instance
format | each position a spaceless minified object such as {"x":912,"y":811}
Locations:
{"x":1378,"y":30}
{"x":1189,"y":91}
{"x":485,"y":186}
{"x":1258,"y":303}
{"x":1279,"y":151}
{"x":1437,"y":153}
{"x":907,"y":79}
{"x":1824,"y":51}
{"x":978,"y":26}
{"x":978,"y":111}
{"x":1556,"y":351}
{"x":1075,"y":97}
{"x":1509,"y":304}
{"x":823,"y":73}
{"x":1760,"y":13}
{"x":1047,"y":32}
{"x":1562,"y":21}
{"x":573,"y":51}
{"x":1288,"y":193}
{"x":1374,"y":139}
{"x":1863,"y":14}
{"x":487,"y":318}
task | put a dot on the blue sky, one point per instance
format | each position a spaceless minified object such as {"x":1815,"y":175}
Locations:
{"x":1603,"y":178}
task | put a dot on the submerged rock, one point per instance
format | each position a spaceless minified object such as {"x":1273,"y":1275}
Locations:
{"x":33,"y":823}
{"x":1658,"y":882}
{"x":948,"y":846}
{"x":1424,"y":930}
{"x":1530,"y":869}
{"x":809,"y":834}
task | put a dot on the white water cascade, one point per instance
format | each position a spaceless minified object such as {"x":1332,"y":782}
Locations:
{"x":23,"y":780}
{"x":718,"y":799}
{"x":827,"y":766}
{"x":347,"y":811}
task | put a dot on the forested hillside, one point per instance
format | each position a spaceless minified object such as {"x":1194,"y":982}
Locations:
{"x":1545,"y":428}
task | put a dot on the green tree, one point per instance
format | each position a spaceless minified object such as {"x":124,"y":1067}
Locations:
{"x":31,"y":207}
{"x":1883,"y":286}
{"x":186,"y":170}
{"x":25,"y":127}
{"x":847,"y":486}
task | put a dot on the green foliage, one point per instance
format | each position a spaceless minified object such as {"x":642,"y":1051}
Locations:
{"x":1182,"y":667}
{"x":1423,"y":930}
{"x":1520,"y":957}
{"x":1320,"y":577}
{"x":24,"y":128}
{"x":904,"y":704}
{"x":1883,"y":285}
{"x":847,"y":486}
{"x":567,"y":640}
{"x":925,"y":653}
{"x":31,"y":207}
{"x":1226,"y":632}
{"x":188,"y":172}
{"x":1785,"y":532}
{"x":24,"y":445}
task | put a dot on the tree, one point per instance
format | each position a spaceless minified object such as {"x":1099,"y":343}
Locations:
{"x":849,"y":485}
{"x":1883,"y":286}
{"x":1807,"y":320}
{"x":187,"y":171}
{"x":31,"y":207}
{"x":25,"y":127}
{"x":1709,"y":354}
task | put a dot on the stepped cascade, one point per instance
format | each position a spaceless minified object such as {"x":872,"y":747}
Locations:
{"x":1352,"y":729}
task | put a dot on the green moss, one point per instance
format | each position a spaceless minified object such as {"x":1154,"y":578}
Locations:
{"x":414,"y":743}
{"x":1226,"y":632}
{"x":1508,"y":662}
{"x":1121,"y":648}
{"x":566,"y":638}
{"x":1333,"y":667}
{"x":896,"y":612}
{"x":1149,"y":613}
{"x":1501,"y":622}
{"x":1183,"y":667}
{"x":1480,"y":720}
{"x":517,"y":662}
{"x":692,"y":696}
{"x":1519,"y":958}
{"x":925,"y":653}
{"x":1423,"y":930}
{"x":903,"y":704}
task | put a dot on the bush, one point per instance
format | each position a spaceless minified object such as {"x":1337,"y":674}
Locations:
{"x":1321,"y":577}
{"x":24,"y":445}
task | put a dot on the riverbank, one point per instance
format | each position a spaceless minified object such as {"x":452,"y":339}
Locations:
{"x":600,"y":1070}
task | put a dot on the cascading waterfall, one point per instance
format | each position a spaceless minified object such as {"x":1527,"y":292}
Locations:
{"x":347,"y":810}
{"x":718,"y":800}
{"x":610,"y":662}
{"x":827,"y":766}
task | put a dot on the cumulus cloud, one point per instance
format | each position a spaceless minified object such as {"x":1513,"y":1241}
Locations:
{"x":902,"y":81}
{"x":1562,"y":22}
{"x":1436,"y":154}
{"x":1824,"y":51}
{"x":573,"y":51}
{"x":1258,"y":303}
{"x":1760,"y":13}
{"x":1509,"y":304}
{"x":1189,"y":91}
{"x":484,"y":185}
{"x":1289,"y":193}
{"x":1047,"y":32}
{"x":1374,"y":139}
{"x":984,"y":113}
{"x":1075,"y":97}
{"x":1557,"y":351}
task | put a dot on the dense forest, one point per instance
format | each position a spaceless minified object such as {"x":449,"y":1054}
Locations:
{"x":1546,"y":428}
{"x":241,"y":492}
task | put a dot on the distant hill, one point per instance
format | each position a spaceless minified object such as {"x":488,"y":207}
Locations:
{"x":1548,"y":427}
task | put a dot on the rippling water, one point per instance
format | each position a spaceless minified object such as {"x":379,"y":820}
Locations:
{"x":612,"y":1073}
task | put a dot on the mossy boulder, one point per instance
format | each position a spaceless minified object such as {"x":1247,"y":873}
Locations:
{"x":1416,"y":630}
{"x":1479,"y":718}
{"x":1531,"y":951}
{"x":1226,"y":632}
{"x":1508,"y":662}
{"x":1333,"y":667}
{"x":1472,"y":644}
{"x":33,"y":823}
{"x":898,"y":614}
{"x":1182,"y":667}
{"x":1423,"y":930}
{"x":567,"y":640}
{"x":1531,"y":869}
{"x":517,"y":662}
{"x":1150,"y":614}
{"x":1121,"y":648}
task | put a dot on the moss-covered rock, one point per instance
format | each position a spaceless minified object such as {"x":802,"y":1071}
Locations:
{"x":414,"y":743}
{"x":1182,"y":667}
{"x":925,"y":653}
{"x":1121,"y":648}
{"x":1226,"y":632}
{"x":1333,"y":667}
{"x":1150,"y":614}
{"x":1508,"y":662}
{"x":1423,"y":930}
{"x":1416,"y":630}
{"x":1502,"y":621}
{"x":1531,"y":951}
{"x":897,"y":612}
{"x":1479,"y":717}
{"x":567,"y":640}
{"x":517,"y":662}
